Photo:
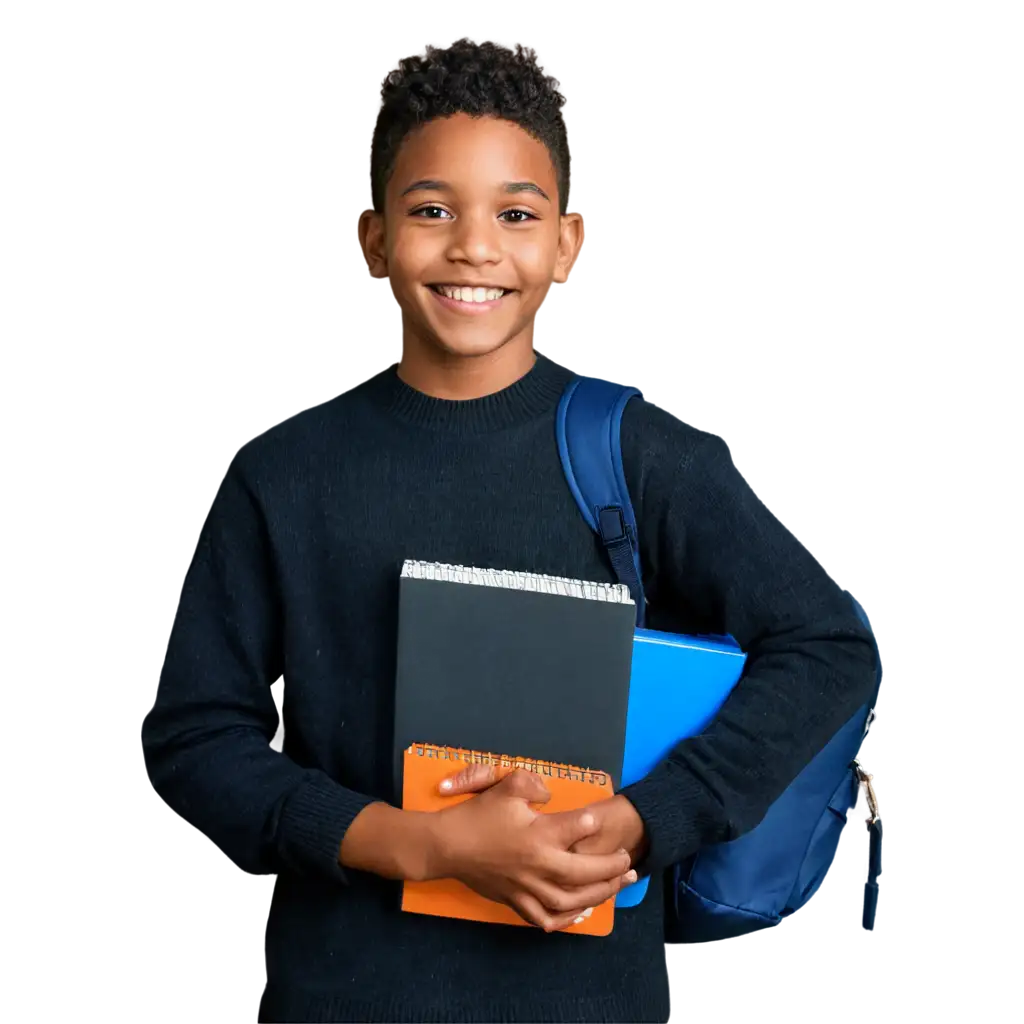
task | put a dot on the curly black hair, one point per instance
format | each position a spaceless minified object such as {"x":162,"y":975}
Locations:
{"x":484,"y":79}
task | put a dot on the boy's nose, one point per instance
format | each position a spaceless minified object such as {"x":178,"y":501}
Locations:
{"x":476,"y":240}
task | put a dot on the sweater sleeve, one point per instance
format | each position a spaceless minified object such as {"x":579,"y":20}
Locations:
{"x":714,"y":556}
{"x":207,"y":738}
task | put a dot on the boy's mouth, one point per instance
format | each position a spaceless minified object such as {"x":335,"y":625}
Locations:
{"x":469,"y":300}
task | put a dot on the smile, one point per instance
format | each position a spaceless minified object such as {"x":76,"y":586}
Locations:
{"x":469,"y":300}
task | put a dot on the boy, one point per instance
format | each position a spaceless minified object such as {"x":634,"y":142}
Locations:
{"x":450,"y":456}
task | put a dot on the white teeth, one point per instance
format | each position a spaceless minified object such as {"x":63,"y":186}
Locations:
{"x":471,"y":294}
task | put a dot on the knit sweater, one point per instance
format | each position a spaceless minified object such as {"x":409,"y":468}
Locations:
{"x":296,"y":574}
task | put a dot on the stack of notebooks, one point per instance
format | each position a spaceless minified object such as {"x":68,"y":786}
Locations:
{"x":548,"y":673}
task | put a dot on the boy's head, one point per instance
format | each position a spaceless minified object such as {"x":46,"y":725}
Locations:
{"x":469,"y":176}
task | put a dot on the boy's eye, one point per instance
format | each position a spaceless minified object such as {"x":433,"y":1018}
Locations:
{"x":423,"y":209}
{"x":526,"y":215}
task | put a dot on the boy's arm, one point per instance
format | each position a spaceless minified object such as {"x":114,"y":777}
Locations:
{"x":713,"y":551}
{"x":207,"y":739}
{"x":207,"y":749}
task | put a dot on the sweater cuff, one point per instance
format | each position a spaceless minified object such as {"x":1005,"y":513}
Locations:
{"x":673,"y":809}
{"x":313,"y":823}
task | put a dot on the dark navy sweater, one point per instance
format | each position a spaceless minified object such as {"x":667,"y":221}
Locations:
{"x":296,"y":573}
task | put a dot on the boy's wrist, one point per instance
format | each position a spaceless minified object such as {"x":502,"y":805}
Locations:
{"x":387,"y":841}
{"x":422,"y":851}
{"x":632,"y":830}
{"x":431,"y":859}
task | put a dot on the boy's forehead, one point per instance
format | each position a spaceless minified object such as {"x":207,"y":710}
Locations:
{"x":472,"y":153}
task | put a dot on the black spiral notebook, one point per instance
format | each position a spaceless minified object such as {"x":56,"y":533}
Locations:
{"x":513,"y":663}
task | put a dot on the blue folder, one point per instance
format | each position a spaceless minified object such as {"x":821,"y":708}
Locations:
{"x":677,"y":684}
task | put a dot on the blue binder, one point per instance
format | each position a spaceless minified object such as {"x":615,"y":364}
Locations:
{"x":677,"y":684}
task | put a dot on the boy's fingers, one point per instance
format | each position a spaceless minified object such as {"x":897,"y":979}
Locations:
{"x":474,"y":778}
{"x":570,"y":870}
{"x":573,"y":902}
{"x":527,"y":786}
{"x":590,"y":844}
{"x":570,"y":827}
{"x":477,"y":778}
{"x":530,"y":909}
{"x":563,"y":921}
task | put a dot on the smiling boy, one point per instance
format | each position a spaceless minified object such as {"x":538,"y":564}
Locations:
{"x":450,"y":456}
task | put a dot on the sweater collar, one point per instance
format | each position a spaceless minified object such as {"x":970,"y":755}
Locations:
{"x":535,"y":393}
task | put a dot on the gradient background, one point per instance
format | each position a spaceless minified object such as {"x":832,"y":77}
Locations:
{"x":803,"y":233}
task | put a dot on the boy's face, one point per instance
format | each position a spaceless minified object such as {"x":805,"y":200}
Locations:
{"x":450,"y":220}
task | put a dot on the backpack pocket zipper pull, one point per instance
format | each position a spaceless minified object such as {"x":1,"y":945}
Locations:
{"x":874,"y":823}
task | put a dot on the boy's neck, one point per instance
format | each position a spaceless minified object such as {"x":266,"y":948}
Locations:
{"x":460,"y":378}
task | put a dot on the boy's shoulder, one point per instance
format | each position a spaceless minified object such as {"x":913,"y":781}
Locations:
{"x":289,"y":434}
{"x":322,"y":430}
{"x":652,"y":435}
{"x":666,"y":460}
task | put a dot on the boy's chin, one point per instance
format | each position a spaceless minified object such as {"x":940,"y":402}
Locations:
{"x":469,"y":346}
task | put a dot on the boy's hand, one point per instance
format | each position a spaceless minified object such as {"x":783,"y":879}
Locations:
{"x":502,"y":848}
{"x":618,"y":825}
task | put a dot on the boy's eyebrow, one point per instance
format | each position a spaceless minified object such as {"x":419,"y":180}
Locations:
{"x":427,"y":185}
{"x":526,"y":186}
{"x":433,"y":185}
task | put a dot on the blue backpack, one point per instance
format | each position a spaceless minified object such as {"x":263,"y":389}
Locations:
{"x":752,"y":882}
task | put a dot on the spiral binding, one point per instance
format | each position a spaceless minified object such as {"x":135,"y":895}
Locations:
{"x":466,"y":755}
{"x":510,"y":579}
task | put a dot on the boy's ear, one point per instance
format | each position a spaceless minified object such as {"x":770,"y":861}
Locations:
{"x":372,"y":242}
{"x":570,"y":240}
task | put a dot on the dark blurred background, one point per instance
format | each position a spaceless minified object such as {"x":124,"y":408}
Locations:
{"x":174,"y":197}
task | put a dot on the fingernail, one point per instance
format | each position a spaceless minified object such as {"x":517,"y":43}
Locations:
{"x":621,"y":850}
{"x":587,"y":821}
{"x":588,"y":911}
{"x":630,"y":877}
{"x":446,"y":785}
{"x":579,"y":920}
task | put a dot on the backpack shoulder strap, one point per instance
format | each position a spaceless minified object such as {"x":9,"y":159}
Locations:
{"x":587,"y":425}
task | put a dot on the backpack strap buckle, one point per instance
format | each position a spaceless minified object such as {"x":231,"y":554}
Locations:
{"x":870,"y":798}
{"x":612,"y":524}
{"x":875,"y":851}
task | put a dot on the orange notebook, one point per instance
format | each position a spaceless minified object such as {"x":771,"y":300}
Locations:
{"x":425,"y":765}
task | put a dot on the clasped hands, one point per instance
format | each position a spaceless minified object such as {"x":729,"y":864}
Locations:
{"x":552,"y":869}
